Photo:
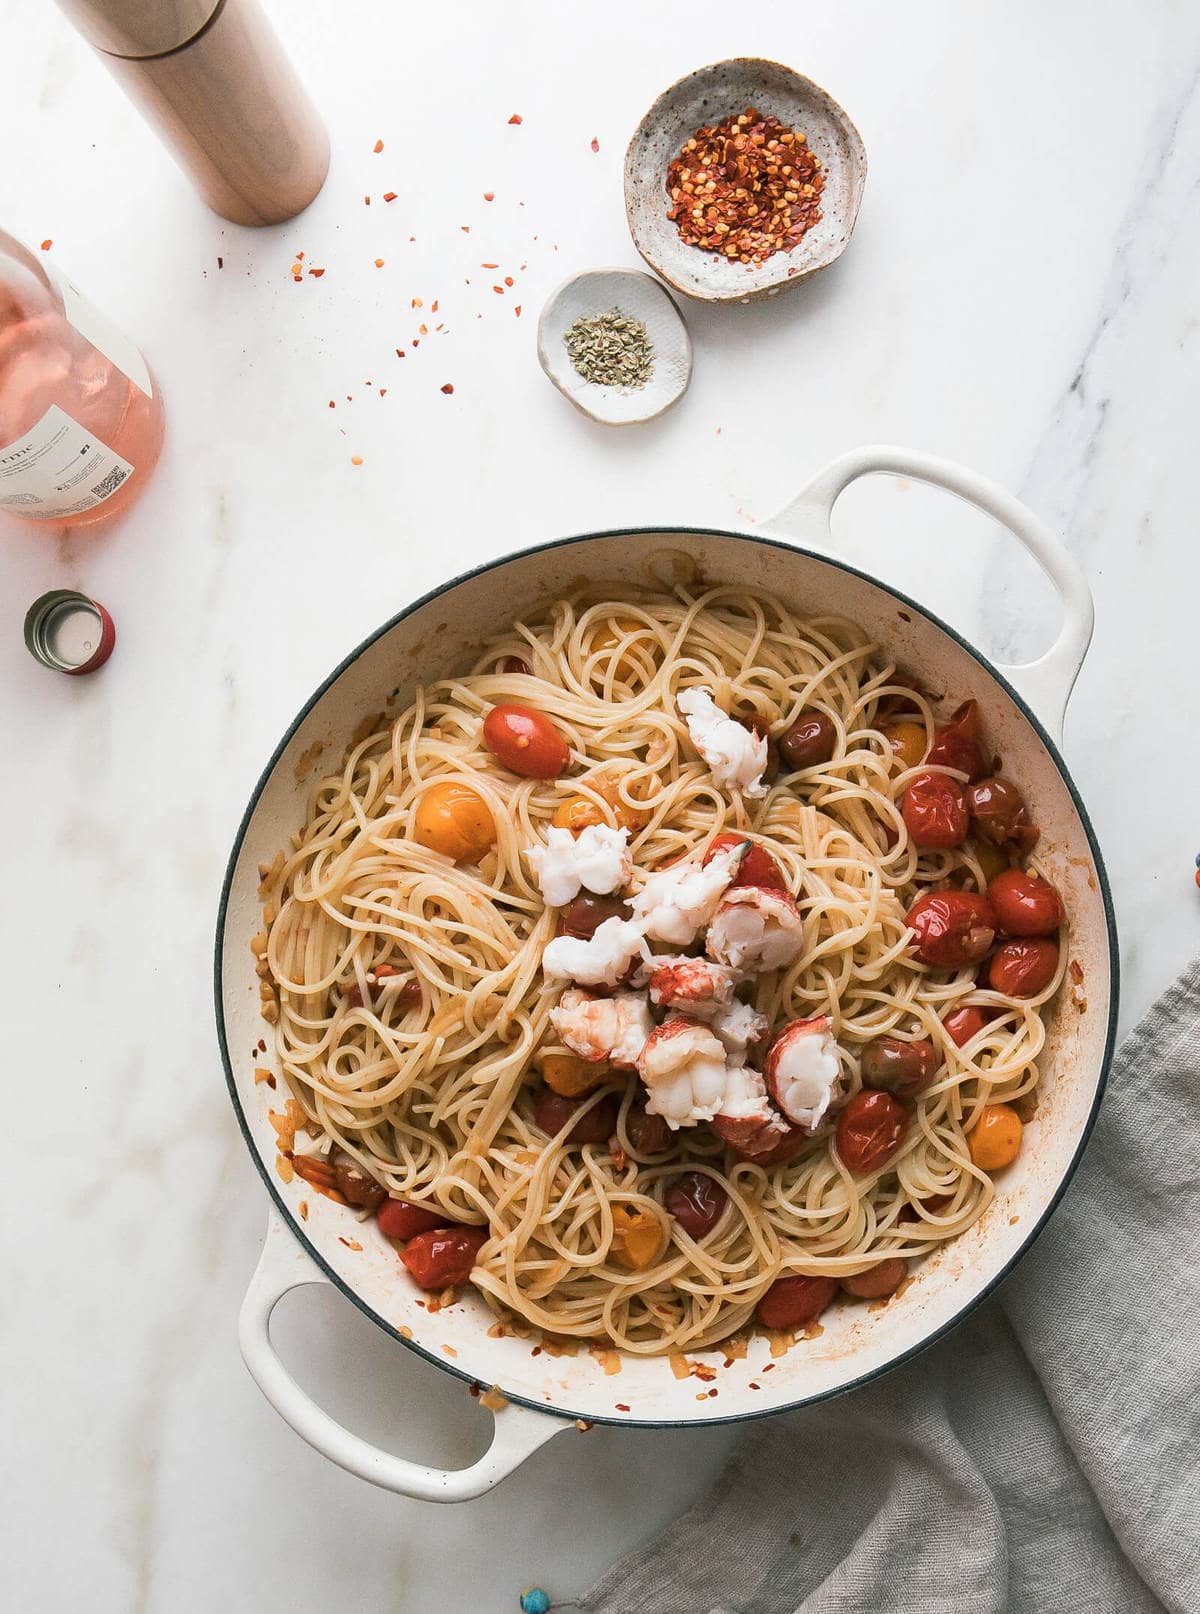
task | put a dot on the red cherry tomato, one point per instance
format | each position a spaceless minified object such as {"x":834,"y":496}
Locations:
{"x":584,"y":916}
{"x":952,"y":928}
{"x":795,"y":1302}
{"x":526,"y":742}
{"x":935,"y":811}
{"x":1025,"y":904}
{"x":1022,"y":969}
{"x":870,"y":1130}
{"x":879,"y":1281}
{"x":809,"y":741}
{"x":999,"y":809}
{"x":444,"y":1256}
{"x":401,"y":1219}
{"x":758,"y":867}
{"x":554,"y":1111}
{"x":956,"y":743}
{"x":901,"y":1068}
{"x":516,"y":664}
{"x":963,"y":1024}
{"x":649,"y":1134}
{"x":696,"y":1202}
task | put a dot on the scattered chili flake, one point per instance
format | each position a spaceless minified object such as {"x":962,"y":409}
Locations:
{"x":261,"y":1075}
{"x":473,"y":1388}
{"x":745,"y":188}
{"x":620,"y":1406}
{"x":366,"y":201}
{"x":389,"y":196}
{"x":262,"y":1047}
{"x":220,"y":263}
{"x":489,"y":266}
{"x":377,"y":147}
{"x":383,"y":392}
{"x":424,"y":329}
{"x":356,"y":459}
{"x":316,"y":273}
{"x":351,"y":1244}
{"x":441,"y":327}
{"x":517,"y":310}
{"x":508,"y":280}
{"x":754,"y":1386}
{"x":433,"y":306}
{"x":499,"y":289}
{"x":465,"y":228}
{"x":400,"y":353}
{"x":449,"y":1350}
{"x":448,"y":387}
{"x":303,"y":1208}
{"x":595,"y":144}
{"x":299,"y":257}
{"x":516,"y":118}
{"x":417,"y":303}
{"x":379,"y":263}
{"x":416,"y":342}
{"x":489,"y":196}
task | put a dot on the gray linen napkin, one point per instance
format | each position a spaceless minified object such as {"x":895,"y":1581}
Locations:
{"x":1042,"y":1459}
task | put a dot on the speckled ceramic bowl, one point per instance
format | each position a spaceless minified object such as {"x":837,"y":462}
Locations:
{"x":707,"y":96}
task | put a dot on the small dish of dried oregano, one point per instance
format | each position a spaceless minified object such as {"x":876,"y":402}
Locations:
{"x":614,"y":343}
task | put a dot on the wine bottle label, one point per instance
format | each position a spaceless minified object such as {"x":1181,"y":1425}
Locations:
{"x":100,"y":331}
{"x":58,"y":469}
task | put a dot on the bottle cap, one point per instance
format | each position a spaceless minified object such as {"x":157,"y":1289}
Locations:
{"x":68,"y":632}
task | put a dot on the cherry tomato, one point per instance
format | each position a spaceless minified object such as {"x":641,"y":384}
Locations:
{"x":525,"y":742}
{"x":696,"y":1202}
{"x":870,"y":1130}
{"x":934,"y":810}
{"x":807,"y":742}
{"x":444,"y":1256}
{"x":995,"y":1139}
{"x":1025,"y":904}
{"x":758,"y":867}
{"x":992,"y":859}
{"x":788,"y":1147}
{"x":908,"y":741}
{"x":584,"y":916}
{"x":454,"y":820}
{"x":356,"y":1186}
{"x":401,"y":1219}
{"x":879,"y":1281}
{"x":1022,"y":969}
{"x":553,"y":1111}
{"x":1000,"y":814}
{"x":649,"y":1134}
{"x":956,"y":742}
{"x":901,"y":1068}
{"x":963,"y":1024}
{"x":952,"y":928}
{"x":571,"y":1076}
{"x":515,"y":664}
{"x":577,"y":813}
{"x":795,"y":1302}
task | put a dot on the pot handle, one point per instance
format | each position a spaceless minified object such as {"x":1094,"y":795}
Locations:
{"x":282,"y":1266}
{"x":1045,"y":684}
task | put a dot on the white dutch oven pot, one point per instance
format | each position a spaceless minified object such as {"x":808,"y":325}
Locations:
{"x":1024,"y":707}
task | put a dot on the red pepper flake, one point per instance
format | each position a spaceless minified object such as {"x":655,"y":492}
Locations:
{"x":377,"y":147}
{"x":366,"y":201}
{"x":465,"y":228}
{"x":516,"y":118}
{"x":595,"y":144}
{"x":433,"y":306}
{"x":332,"y":405}
{"x":220,"y":263}
{"x":299,"y":257}
{"x":47,"y":244}
{"x":769,"y":1367}
{"x":316,"y":273}
{"x":621,"y":1407}
{"x":424,"y":329}
{"x":383,"y":392}
{"x":379,"y":263}
{"x":489,"y":196}
{"x":356,"y":459}
{"x":517,"y":310}
{"x":508,"y":280}
{"x":441,"y":327}
{"x":416,"y":341}
{"x":473,"y":1388}
{"x":499,"y":289}
{"x":389,"y":196}
{"x":417,"y":303}
{"x":400,"y":353}
{"x":489,"y":266}
{"x":262,"y":1047}
{"x":754,"y":1386}
{"x":448,"y":387}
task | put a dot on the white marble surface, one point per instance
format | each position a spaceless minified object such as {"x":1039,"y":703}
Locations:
{"x":1020,"y":294}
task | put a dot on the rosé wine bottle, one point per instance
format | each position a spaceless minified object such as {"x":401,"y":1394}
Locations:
{"x":81,"y":420}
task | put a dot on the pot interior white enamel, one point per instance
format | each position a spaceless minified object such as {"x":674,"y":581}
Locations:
{"x":439,"y":636}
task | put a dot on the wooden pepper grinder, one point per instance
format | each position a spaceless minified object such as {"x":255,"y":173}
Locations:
{"x":211,"y":77}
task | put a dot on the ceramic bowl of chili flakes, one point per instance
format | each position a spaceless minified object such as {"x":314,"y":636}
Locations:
{"x":742,"y":179}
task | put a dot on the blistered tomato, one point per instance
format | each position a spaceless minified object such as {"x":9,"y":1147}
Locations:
{"x":584,"y":916}
{"x":696,"y":1201}
{"x":525,"y":741}
{"x":999,"y":811}
{"x":870,"y":1130}
{"x":995,"y":1139}
{"x":1025,"y":904}
{"x":963,"y":1024}
{"x":444,"y":1257}
{"x":795,"y":1302}
{"x":934,"y":810}
{"x":454,"y":820}
{"x":554,"y":1111}
{"x":956,"y":743}
{"x":648,"y":1134}
{"x":1023,"y":968}
{"x":901,"y":1068}
{"x":809,"y":741}
{"x":908,"y":741}
{"x":570,"y":1076}
{"x":758,"y":867}
{"x":402,"y":1219}
{"x":952,"y":928}
{"x":879,"y":1281}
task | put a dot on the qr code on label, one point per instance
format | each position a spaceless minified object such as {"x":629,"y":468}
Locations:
{"x":110,"y":483}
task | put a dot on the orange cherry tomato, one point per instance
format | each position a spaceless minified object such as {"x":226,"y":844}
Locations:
{"x":1025,"y":904}
{"x":571,"y":1076}
{"x":637,"y":1237}
{"x":525,"y":741}
{"x":577,"y":813}
{"x":879,"y":1281}
{"x":758,"y":867}
{"x":908,"y":741}
{"x":870,"y":1130}
{"x":794,"y":1302}
{"x":995,"y":1139}
{"x":444,"y":1256}
{"x":956,"y":743}
{"x":992,"y":859}
{"x":1023,"y":968}
{"x":963,"y":1024}
{"x":934,"y":810}
{"x":453,"y":819}
{"x":952,"y":928}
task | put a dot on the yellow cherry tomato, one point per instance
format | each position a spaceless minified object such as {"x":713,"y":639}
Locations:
{"x":908,"y":742}
{"x":608,"y":785}
{"x":576,"y":813}
{"x":637,"y":1237}
{"x":995,"y":1139}
{"x":993,"y":860}
{"x":569,"y":1075}
{"x":453,"y":819}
